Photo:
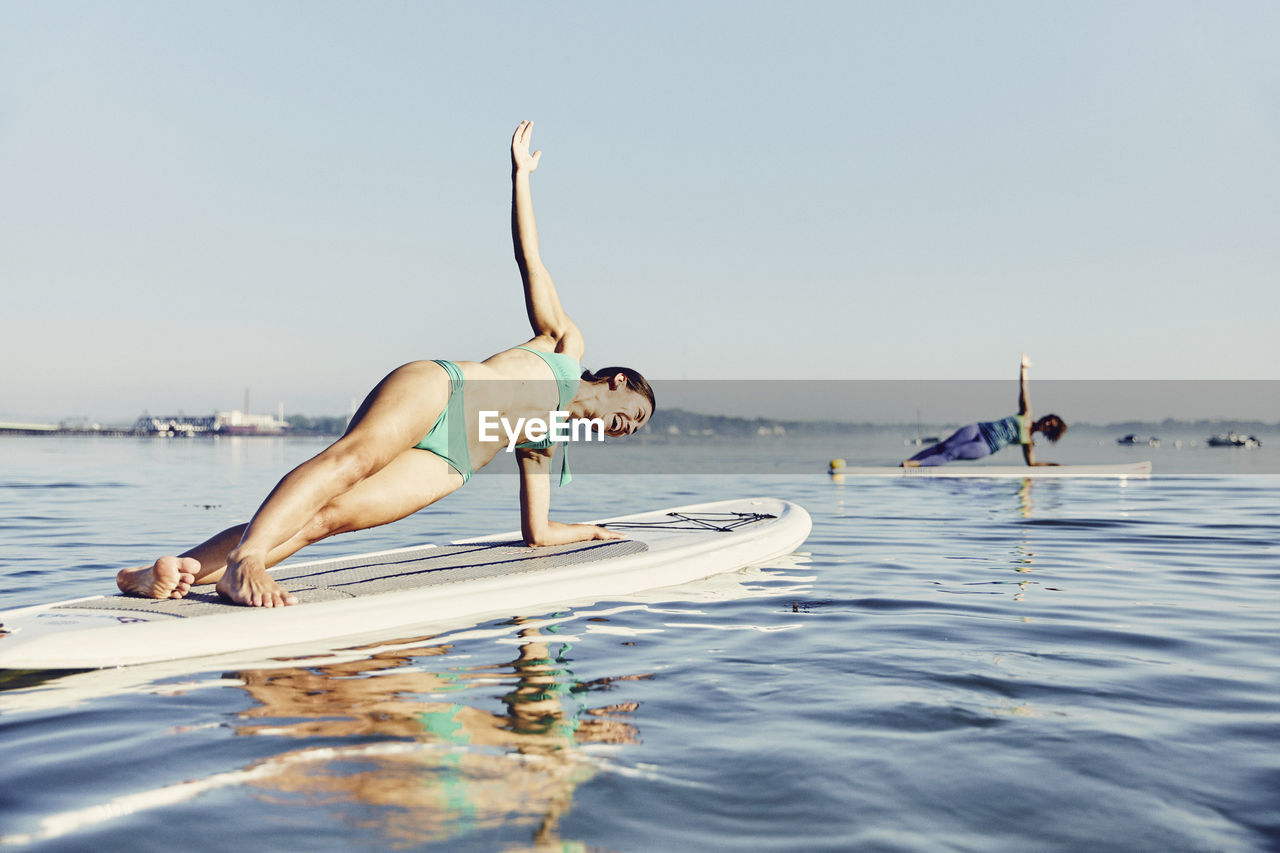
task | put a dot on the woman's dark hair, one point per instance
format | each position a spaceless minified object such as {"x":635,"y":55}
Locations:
{"x":1051,"y":427}
{"x":635,"y":381}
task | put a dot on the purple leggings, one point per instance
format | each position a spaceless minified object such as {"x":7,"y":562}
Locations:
{"x":965,"y":443}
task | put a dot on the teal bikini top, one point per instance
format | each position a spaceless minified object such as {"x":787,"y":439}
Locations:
{"x":568,"y":374}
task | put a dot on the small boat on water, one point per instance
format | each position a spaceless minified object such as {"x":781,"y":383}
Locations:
{"x":1233,"y":439}
{"x":1132,"y":440}
{"x":920,"y":440}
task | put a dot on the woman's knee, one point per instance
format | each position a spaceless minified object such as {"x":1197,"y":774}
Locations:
{"x":351,"y":461}
{"x":329,"y":521}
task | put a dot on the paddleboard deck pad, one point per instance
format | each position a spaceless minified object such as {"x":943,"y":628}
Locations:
{"x":1122,"y":470}
{"x":467,"y":581}
{"x":340,"y":579}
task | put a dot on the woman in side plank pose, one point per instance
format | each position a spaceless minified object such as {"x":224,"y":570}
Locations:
{"x":982,"y":439}
{"x":416,"y":438}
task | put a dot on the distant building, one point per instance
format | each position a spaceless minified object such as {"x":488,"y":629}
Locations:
{"x":173,"y":425}
{"x":242,"y":423}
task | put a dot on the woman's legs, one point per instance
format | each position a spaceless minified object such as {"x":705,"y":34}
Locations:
{"x":965,"y":443}
{"x":393,"y":418}
{"x":411,"y":481}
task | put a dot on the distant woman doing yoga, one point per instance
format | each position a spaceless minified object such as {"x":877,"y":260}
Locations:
{"x":982,"y":439}
{"x":418,"y":437}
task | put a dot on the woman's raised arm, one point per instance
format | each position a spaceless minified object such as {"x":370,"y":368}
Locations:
{"x":546,"y":316}
{"x":1024,"y":401}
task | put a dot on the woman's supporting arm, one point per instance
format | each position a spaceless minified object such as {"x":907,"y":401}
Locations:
{"x":535,"y":505}
{"x":546,"y":315}
{"x":1029,"y":454}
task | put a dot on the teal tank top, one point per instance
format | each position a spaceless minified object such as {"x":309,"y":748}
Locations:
{"x":1000,"y":434}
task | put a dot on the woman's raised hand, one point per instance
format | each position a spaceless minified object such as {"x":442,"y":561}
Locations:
{"x":521,"y":159}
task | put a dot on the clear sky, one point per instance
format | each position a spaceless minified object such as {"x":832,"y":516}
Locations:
{"x":296,"y":197}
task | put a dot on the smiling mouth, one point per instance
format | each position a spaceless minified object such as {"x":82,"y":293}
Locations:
{"x":617,"y":424}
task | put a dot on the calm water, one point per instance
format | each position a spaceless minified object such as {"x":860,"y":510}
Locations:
{"x":954,"y":665}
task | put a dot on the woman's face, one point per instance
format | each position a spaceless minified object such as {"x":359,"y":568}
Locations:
{"x":628,"y":411}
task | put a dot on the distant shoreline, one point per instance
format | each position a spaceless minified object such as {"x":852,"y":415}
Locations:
{"x":132,"y":432}
{"x":672,"y":423}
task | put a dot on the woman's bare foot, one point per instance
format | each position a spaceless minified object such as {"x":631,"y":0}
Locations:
{"x":168,"y":577}
{"x":247,"y":582}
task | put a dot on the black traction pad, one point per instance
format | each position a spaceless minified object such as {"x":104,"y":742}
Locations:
{"x":352,"y":577}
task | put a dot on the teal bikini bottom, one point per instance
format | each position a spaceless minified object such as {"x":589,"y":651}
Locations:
{"x":448,"y":437}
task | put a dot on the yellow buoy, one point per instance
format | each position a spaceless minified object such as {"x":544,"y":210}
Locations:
{"x":835,"y":464}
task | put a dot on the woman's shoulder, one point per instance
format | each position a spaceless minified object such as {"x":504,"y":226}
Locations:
{"x":518,"y":360}
{"x":1024,"y":422}
{"x":570,"y":345}
{"x":545,"y":348}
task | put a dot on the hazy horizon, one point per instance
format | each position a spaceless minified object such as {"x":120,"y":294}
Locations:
{"x":885,"y":402}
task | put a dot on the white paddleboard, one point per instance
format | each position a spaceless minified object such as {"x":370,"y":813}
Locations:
{"x":1122,"y":470}
{"x":466,"y":582}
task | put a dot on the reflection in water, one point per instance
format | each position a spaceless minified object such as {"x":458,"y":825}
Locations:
{"x":1021,"y":557}
{"x":459,"y":767}
{"x":401,"y":739}
{"x":1024,"y":497}
{"x":1024,"y":557}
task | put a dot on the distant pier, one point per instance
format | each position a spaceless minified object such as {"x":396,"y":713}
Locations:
{"x":163,"y":426}
{"x":57,"y":429}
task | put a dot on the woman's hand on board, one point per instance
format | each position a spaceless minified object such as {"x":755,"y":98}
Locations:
{"x":558,"y":533}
